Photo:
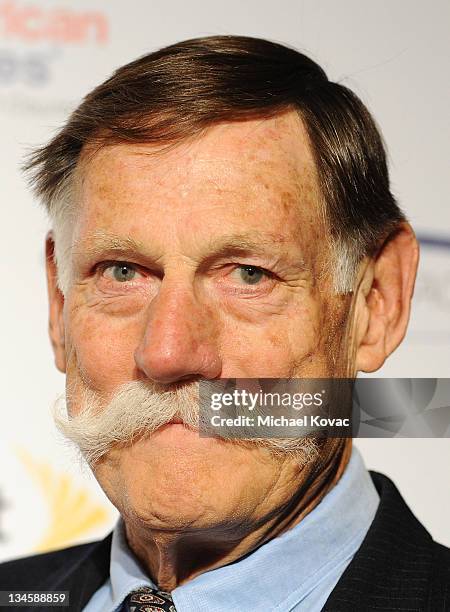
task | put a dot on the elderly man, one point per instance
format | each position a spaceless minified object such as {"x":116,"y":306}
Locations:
{"x":222,"y":210}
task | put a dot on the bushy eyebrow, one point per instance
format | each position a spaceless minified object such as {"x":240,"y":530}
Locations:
{"x":100,"y":241}
{"x":264,"y":244}
{"x":268,"y":245}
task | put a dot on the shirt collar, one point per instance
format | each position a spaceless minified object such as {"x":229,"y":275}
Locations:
{"x":282,"y":571}
{"x":126,"y":573}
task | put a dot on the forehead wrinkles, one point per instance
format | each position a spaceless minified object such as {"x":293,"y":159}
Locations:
{"x":278,"y":140}
{"x":268,"y":159}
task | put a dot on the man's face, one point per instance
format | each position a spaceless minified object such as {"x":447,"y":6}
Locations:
{"x":205,"y":261}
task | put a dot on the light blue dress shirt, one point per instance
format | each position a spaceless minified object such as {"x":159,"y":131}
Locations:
{"x":295,"y":571}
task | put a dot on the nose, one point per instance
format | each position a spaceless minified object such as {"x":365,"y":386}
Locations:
{"x":180,"y":338}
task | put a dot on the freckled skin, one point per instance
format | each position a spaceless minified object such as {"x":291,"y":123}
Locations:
{"x":184,"y":318}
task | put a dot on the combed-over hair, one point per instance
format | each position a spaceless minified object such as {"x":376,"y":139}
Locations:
{"x":178,"y":91}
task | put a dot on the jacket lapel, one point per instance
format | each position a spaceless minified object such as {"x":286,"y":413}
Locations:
{"x":87,"y":576}
{"x":393,"y":566}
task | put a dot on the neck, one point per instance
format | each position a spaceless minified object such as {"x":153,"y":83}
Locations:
{"x":172,"y":558}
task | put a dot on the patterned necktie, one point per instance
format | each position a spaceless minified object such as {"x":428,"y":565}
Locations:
{"x":148,"y":600}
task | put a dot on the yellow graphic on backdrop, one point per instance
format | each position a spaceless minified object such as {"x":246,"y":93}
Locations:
{"x":73,"y":511}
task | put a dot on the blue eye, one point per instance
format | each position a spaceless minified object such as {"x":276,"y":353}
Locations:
{"x":123,"y":272}
{"x":251,"y":275}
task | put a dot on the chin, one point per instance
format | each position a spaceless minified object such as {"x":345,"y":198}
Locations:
{"x":171,"y":480}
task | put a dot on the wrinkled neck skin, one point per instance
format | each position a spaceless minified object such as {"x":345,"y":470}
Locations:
{"x":172,"y":558}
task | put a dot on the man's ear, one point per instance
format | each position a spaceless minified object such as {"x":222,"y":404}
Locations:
{"x":383,"y":301}
{"x":56,"y":306}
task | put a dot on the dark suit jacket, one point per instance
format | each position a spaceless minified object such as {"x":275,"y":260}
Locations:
{"x":398,"y":566}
